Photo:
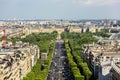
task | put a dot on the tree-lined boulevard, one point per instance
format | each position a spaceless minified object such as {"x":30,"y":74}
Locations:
{"x":64,"y":61}
{"x":59,"y":69}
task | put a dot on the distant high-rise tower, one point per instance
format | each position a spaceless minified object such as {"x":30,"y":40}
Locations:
{"x":107,"y":23}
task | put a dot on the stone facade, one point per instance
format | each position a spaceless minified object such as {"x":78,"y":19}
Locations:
{"x":17,"y":61}
{"x":100,"y":53}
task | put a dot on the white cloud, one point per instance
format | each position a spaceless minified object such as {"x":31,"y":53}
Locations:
{"x":97,"y":2}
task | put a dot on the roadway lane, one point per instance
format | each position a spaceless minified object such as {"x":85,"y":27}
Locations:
{"x":59,"y":69}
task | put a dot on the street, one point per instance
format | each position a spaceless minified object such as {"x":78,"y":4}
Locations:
{"x":59,"y":69}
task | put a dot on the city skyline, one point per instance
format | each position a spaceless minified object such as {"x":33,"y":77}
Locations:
{"x":59,"y":9}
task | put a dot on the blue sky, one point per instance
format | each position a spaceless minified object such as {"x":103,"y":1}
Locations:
{"x":60,"y":9}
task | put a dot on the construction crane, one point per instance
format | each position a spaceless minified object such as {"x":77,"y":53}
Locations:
{"x":4,"y":37}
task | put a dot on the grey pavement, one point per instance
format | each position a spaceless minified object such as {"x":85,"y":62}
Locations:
{"x":59,"y":69}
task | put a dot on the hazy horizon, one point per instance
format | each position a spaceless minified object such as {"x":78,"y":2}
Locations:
{"x":59,"y":9}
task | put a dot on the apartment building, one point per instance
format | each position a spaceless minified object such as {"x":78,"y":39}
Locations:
{"x":17,"y":60}
{"x":116,"y":70}
{"x":99,"y":57}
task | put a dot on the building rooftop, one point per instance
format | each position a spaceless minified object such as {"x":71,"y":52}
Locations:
{"x":115,"y":36}
{"x":104,"y":63}
{"x":116,"y":67}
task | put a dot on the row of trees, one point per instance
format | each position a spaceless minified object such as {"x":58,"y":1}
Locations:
{"x":42,"y":39}
{"x":46,"y":43}
{"x":102,"y":33}
{"x":83,"y":67}
{"x":73,"y":66}
{"x":75,"y":42}
{"x":39,"y":73}
{"x":77,"y":39}
{"x":35,"y":72}
{"x":44,"y":71}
